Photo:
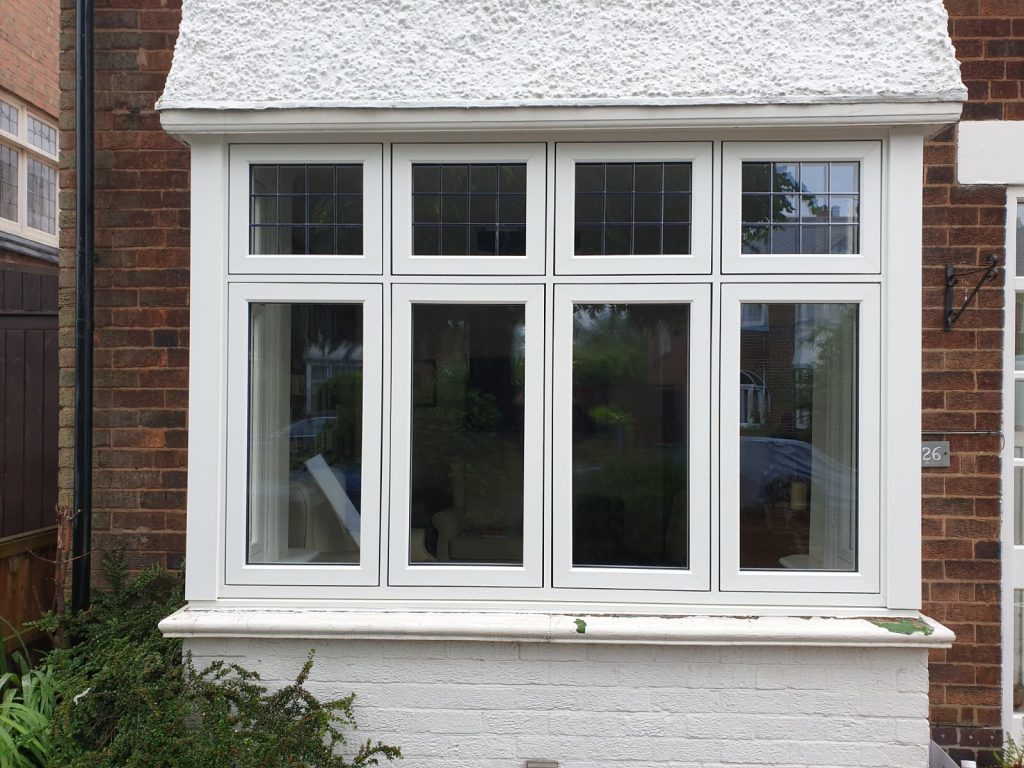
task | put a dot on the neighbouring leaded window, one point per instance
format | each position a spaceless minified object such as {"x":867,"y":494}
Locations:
{"x":8,"y":118}
{"x":801,"y":207}
{"x":8,"y":183}
{"x":42,"y":135}
{"x":534,"y":430}
{"x":42,"y":196}
{"x":306,"y":209}
{"x":28,"y":173}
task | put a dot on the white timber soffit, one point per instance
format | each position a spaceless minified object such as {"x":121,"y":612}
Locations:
{"x":990,"y":152}
{"x":351,"y":54}
{"x":306,"y":623}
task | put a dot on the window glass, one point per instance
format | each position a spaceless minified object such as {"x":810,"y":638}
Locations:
{"x":1020,"y":239}
{"x":8,"y":118}
{"x":305,"y":432}
{"x":468,"y":405}
{"x":801,"y":207}
{"x":629,"y":435}
{"x":42,"y":196}
{"x":306,"y":209}
{"x":632,"y":208}
{"x":42,"y":135}
{"x":798,"y":454}
{"x":8,"y":183}
{"x":476,"y":209}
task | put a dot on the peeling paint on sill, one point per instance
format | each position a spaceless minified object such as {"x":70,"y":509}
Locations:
{"x":904,"y":626}
{"x":581,"y":626}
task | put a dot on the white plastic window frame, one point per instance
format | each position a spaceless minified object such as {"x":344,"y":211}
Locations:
{"x":867,"y":578}
{"x":867,"y":153}
{"x":25,"y":149}
{"x":404,"y":156}
{"x":400,"y":571}
{"x":243,"y":156}
{"x":238,"y":571}
{"x":697,"y":153}
{"x":697,"y":576}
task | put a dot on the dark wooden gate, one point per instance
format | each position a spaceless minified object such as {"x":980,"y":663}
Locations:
{"x":28,"y":399}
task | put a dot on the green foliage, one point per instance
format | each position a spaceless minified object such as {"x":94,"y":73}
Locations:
{"x":28,"y":698}
{"x":129,"y":698}
{"x":1010,"y":756}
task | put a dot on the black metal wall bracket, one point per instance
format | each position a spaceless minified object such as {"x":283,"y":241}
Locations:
{"x":953,"y":279}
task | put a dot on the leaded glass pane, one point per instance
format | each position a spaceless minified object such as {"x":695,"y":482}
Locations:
{"x":801,"y":207}
{"x":626,"y":209}
{"x":8,"y":118}
{"x":469,"y":209}
{"x":299,"y":209}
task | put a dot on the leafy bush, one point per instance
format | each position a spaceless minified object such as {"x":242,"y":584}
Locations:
{"x":130,"y":699}
{"x":27,"y":701}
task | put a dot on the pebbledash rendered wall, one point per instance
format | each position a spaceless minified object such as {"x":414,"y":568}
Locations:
{"x":495,"y":705}
{"x":487,"y":704}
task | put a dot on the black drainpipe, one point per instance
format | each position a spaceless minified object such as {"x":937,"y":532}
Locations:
{"x":84,"y":255}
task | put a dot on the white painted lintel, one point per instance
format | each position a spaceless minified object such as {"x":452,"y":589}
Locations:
{"x":182,"y":120}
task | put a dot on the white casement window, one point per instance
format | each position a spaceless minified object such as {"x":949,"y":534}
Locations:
{"x":474,"y":209}
{"x":458,"y":371}
{"x":306,"y":209}
{"x":28,"y":172}
{"x":633,"y":208}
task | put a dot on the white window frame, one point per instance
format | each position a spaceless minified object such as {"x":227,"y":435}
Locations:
{"x":404,"y":156}
{"x":25,"y":149}
{"x":212,"y":281}
{"x":698,"y":575}
{"x":237,"y":569}
{"x":370,"y":262}
{"x":866,"y":579}
{"x":697,"y":153}
{"x":401,"y":572}
{"x":867,"y":153}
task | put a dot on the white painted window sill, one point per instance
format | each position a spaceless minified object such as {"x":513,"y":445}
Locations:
{"x":620,"y":629}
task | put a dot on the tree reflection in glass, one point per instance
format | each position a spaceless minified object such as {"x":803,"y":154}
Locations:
{"x":630,"y":425}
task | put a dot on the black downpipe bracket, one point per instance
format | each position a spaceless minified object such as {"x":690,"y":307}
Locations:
{"x":84,"y":322}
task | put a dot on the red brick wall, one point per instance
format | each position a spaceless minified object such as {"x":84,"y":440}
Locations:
{"x":28,"y":51}
{"x":962,"y":390}
{"x":141,"y":338}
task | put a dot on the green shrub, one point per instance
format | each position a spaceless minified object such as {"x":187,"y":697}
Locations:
{"x":130,"y":699}
{"x":1010,"y":756}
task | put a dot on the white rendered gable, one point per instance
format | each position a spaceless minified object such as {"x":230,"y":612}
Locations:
{"x":240,"y":54}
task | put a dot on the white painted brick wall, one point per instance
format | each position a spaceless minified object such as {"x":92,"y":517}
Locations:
{"x":492,"y":705}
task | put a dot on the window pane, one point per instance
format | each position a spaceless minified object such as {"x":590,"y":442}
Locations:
{"x":305,"y":432}
{"x":42,"y":135}
{"x":1020,"y":239}
{"x":466,"y":477}
{"x":798,"y":438}
{"x":475,"y":203}
{"x":630,"y":420}
{"x":8,"y":183}
{"x":1018,"y":345}
{"x":8,"y":118}
{"x":42,"y":196}
{"x":1018,"y":650}
{"x":805,"y":198}
{"x":306,"y":209}
{"x":636,"y":202}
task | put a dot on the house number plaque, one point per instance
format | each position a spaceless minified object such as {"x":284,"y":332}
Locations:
{"x":934,"y":453}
